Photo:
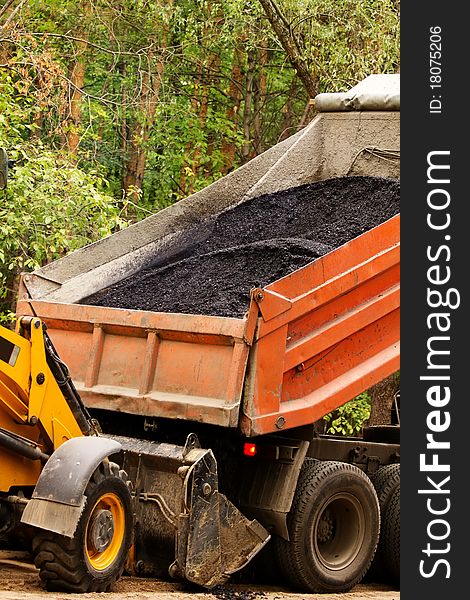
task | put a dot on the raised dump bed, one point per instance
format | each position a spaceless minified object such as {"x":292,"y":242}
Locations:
{"x":292,"y":347}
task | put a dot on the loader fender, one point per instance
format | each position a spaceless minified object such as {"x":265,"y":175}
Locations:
{"x":58,"y":498}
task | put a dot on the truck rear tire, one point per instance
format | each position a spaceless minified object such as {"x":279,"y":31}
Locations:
{"x":385,"y":567}
{"x":94,"y":559}
{"x":390,"y":538}
{"x":333,"y":528}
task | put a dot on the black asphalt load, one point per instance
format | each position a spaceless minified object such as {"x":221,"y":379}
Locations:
{"x":216,"y":263}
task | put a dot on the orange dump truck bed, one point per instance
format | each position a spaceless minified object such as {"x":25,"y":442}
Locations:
{"x":308,"y":342}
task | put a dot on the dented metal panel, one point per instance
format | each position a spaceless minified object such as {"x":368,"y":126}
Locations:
{"x":188,"y":367}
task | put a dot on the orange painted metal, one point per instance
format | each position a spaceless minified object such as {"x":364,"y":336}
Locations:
{"x":336,"y":333}
{"x":308,"y":343}
{"x":154,"y":364}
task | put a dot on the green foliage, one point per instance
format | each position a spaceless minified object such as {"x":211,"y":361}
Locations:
{"x":50,"y":207}
{"x":344,"y":42}
{"x":349,"y":418}
{"x":196,"y":88}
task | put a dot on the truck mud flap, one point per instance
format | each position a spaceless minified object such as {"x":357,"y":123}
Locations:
{"x":184,"y":525}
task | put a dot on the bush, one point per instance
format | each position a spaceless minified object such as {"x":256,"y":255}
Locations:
{"x":349,"y":418}
{"x":49,"y":208}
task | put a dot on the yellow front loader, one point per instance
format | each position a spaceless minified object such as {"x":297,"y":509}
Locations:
{"x":85,"y":518}
{"x":52,"y":460}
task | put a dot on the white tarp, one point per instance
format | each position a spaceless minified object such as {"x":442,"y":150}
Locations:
{"x":376,"y":92}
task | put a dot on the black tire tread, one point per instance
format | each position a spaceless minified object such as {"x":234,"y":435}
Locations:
{"x":386,"y":481}
{"x":289,"y":553}
{"x":390,"y":542}
{"x":58,"y":558}
{"x":286,"y":557}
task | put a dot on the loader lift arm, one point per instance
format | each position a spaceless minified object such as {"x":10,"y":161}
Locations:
{"x":35,"y":388}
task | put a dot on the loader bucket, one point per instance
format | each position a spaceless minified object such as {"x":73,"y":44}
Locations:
{"x":184,"y":525}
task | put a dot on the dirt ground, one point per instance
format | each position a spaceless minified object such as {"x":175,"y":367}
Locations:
{"x":19,"y":580}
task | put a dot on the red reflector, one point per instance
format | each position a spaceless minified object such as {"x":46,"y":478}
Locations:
{"x":249,"y":449}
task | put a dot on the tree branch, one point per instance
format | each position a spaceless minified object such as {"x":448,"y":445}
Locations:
{"x":291,"y":46}
{"x":6,"y":6}
{"x":13,"y":12}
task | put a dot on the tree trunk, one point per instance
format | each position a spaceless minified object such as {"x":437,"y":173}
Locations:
{"x":77,"y":80}
{"x":138,"y":134}
{"x":247,"y":111}
{"x":228,"y":148}
{"x":200,"y":105}
{"x":291,"y":45}
{"x":259,"y":98}
{"x":308,"y":113}
{"x":208,"y":67}
{"x":287,"y":128}
{"x":77,"y":69}
{"x":382,"y":396}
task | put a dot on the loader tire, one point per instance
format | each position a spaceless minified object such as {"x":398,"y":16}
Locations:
{"x":94,"y":559}
{"x":333,"y":528}
{"x":384,"y":566}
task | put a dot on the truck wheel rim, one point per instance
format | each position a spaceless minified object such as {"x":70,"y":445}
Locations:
{"x":339,"y":531}
{"x":105,"y":532}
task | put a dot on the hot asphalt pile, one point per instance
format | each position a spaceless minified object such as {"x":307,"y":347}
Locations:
{"x":216,"y":263}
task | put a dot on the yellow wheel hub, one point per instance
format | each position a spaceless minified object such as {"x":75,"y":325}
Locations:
{"x":105,"y":531}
